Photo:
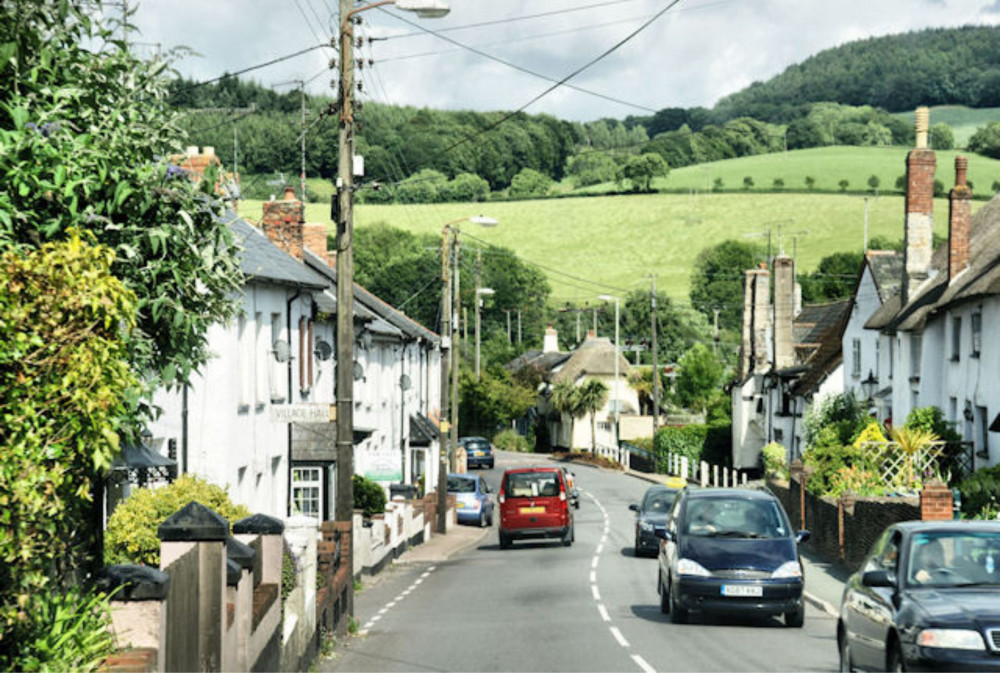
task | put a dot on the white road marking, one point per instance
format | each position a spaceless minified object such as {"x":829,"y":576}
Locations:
{"x":618,"y":636}
{"x":594,"y":561}
{"x":642,"y":664}
{"x":374,"y":619}
{"x":383,"y":611}
{"x":593,"y":577}
{"x":600,"y":548}
{"x":604,"y":612}
{"x":593,"y":590}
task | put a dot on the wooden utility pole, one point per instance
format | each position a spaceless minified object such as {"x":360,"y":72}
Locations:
{"x":656,"y":364}
{"x":446,"y":347}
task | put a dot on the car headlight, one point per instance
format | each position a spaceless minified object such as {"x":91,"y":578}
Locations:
{"x":646,"y":526}
{"x":951,"y":639}
{"x":686,"y":566}
{"x":788,"y":569}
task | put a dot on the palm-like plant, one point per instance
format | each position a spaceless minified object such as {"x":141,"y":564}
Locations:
{"x":912,"y":441}
{"x":591,"y":396}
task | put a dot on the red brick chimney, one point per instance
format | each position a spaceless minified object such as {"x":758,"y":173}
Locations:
{"x":920,"y":165}
{"x":283,"y":223}
{"x":959,"y":220}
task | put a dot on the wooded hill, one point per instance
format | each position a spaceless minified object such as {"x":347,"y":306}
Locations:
{"x":841,"y":96}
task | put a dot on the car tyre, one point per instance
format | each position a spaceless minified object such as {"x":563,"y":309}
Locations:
{"x":482,"y":519}
{"x":796,"y":618}
{"x":678,"y":615}
{"x":896,"y":662}
{"x":846,"y":665}
{"x":636,"y":551}
{"x":664,"y":598}
{"x":504,"y":540}
{"x":568,"y":537}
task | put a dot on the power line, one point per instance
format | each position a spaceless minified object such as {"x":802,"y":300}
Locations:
{"x":195,"y":85}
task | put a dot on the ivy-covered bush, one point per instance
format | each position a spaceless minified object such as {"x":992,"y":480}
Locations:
{"x":509,"y":440}
{"x":368,"y":495}
{"x":131,"y":533}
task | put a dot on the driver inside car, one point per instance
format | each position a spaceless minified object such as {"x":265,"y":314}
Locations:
{"x":928,"y":559}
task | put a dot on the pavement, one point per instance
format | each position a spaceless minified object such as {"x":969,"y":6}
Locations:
{"x":456,"y":539}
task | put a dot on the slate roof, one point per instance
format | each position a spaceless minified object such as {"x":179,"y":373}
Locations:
{"x":264,"y":260}
{"x":981,"y":279}
{"x":887,"y":271}
{"x":825,"y":329}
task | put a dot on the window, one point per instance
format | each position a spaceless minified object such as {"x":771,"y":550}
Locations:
{"x":262,"y":353}
{"x":976,"y":324}
{"x":956,"y":338}
{"x":892,"y":357}
{"x":916,"y":345}
{"x":276,"y":368}
{"x":307,"y":491}
{"x":856,"y":358}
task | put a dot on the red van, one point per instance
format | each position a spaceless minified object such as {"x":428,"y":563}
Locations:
{"x":535,"y":503}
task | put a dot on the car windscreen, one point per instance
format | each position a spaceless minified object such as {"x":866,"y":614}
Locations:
{"x":532,"y":484}
{"x":658,"y":502}
{"x":461,"y":485}
{"x":954,"y":558}
{"x":734,"y":517}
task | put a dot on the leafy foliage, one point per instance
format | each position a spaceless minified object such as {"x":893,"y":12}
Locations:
{"x":717,"y":279}
{"x":834,"y":278}
{"x":775,"y":459}
{"x":368,"y":495}
{"x":699,"y":378}
{"x":509,"y":440}
{"x":493,"y":401}
{"x":641,"y":170}
{"x":64,"y":387}
{"x":84,"y":142}
{"x":711,"y":443}
{"x":980,"y":491}
{"x":131,"y":533}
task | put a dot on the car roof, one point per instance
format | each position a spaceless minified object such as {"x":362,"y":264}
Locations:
{"x":472,"y":439}
{"x":464,"y":475}
{"x":540,"y":468}
{"x":660,"y":488}
{"x":730,"y":493}
{"x":947,"y":525}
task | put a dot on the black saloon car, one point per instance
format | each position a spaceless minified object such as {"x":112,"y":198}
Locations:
{"x":650,"y":514}
{"x":927,"y":597}
{"x":730,"y":551}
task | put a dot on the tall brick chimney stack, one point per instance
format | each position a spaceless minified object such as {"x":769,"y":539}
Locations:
{"x":920,"y":165}
{"x":746,"y":337}
{"x":959,"y":220}
{"x":283,"y":223}
{"x":756,"y":320}
{"x":784,"y":310}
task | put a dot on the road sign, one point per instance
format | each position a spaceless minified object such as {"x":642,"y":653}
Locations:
{"x":303,"y":413}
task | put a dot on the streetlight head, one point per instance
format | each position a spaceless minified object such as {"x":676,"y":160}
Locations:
{"x":606,"y":297}
{"x":483,"y":221}
{"x":425,"y":9}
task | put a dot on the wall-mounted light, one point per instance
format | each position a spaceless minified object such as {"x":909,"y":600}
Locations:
{"x":282,"y":352}
{"x":869,"y":385}
{"x":359,"y":371}
{"x":324,"y":351}
{"x":967,"y":414}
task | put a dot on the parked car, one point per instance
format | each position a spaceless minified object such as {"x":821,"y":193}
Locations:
{"x":574,"y":492}
{"x":650,"y":514}
{"x":478,"y":452}
{"x":730,"y":551}
{"x":534,"y":503}
{"x":472,"y":499}
{"x":927,"y":597}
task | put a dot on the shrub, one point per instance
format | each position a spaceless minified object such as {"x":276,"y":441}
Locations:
{"x":843,"y":184}
{"x":980,"y":492}
{"x":775,"y":458}
{"x":711,"y":443}
{"x":368,"y":495}
{"x":509,"y":440}
{"x":827,"y":455}
{"x":131,"y":533}
{"x":747,"y":183}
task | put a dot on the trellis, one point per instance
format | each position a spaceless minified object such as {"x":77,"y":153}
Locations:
{"x":896,"y":467}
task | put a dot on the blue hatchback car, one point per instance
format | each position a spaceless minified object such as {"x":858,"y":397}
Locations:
{"x":472,"y":499}
{"x":478,"y":452}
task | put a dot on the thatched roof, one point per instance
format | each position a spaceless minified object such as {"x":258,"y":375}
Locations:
{"x":594,"y":357}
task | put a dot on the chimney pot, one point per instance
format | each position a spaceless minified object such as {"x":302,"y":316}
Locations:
{"x":961,"y":169}
{"x":289,"y":194}
{"x":923,"y":120}
{"x":192,"y":151}
{"x":208,"y":151}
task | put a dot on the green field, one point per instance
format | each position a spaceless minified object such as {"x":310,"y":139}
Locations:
{"x":595,"y":244}
{"x":963,"y":120}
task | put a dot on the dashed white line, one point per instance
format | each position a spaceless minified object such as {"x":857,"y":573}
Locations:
{"x":594,"y":561}
{"x":593,"y":576}
{"x":642,"y":664}
{"x":600,"y":548}
{"x":594,"y":590}
{"x":618,"y":636}
{"x":604,"y":612}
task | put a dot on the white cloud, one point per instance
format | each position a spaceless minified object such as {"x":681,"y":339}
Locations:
{"x":697,"y":52}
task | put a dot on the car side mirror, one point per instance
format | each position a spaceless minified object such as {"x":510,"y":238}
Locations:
{"x":802,"y":536}
{"x":634,"y":507}
{"x":665,"y":534}
{"x":879,"y":578}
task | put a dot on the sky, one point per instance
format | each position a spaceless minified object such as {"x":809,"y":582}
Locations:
{"x":630,"y":57}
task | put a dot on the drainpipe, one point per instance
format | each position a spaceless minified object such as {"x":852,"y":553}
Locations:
{"x":288,"y":326}
{"x":184,"y":429}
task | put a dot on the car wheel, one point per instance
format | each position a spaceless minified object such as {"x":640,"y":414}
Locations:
{"x":678,"y":615}
{"x":482,"y":519}
{"x":664,"y":599}
{"x":896,"y":661}
{"x":568,"y":537}
{"x":846,"y":665}
{"x":504,"y":541}
{"x":796,"y":618}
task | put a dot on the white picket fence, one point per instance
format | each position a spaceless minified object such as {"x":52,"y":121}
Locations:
{"x":617,"y":454}
{"x":703,"y":473}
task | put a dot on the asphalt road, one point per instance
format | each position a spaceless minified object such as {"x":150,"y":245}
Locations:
{"x":543,"y":607}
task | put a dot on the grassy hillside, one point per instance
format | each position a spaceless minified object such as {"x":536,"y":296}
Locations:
{"x":963,"y":120}
{"x":617,"y":241}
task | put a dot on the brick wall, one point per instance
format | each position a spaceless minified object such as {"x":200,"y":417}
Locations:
{"x":332,"y":553}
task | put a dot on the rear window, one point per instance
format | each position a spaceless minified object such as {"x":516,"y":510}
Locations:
{"x":532,"y":484}
{"x":659,"y":501}
{"x":461,"y":485}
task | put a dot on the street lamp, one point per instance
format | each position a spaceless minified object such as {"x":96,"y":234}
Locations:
{"x":616,"y":398}
{"x":868,"y":387}
{"x":342,"y":206}
{"x":449,"y":337}
{"x":479,"y":304}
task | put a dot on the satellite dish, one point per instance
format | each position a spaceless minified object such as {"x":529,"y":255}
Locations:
{"x":359,"y":371}
{"x":324,"y":351}
{"x":404,"y":382}
{"x":281,"y":350}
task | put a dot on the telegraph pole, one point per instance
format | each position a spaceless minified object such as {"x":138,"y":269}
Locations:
{"x":457,"y":299}
{"x":656,"y":364}
{"x":302,"y":175}
{"x":446,"y":347}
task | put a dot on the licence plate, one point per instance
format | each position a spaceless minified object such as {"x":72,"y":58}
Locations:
{"x":742,"y":590}
{"x":460,"y":505}
{"x":532,"y":510}
{"x":477,"y":454}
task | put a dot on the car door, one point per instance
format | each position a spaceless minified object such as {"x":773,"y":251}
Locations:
{"x":869,"y":611}
{"x":487,"y":501}
{"x":668,"y":548}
